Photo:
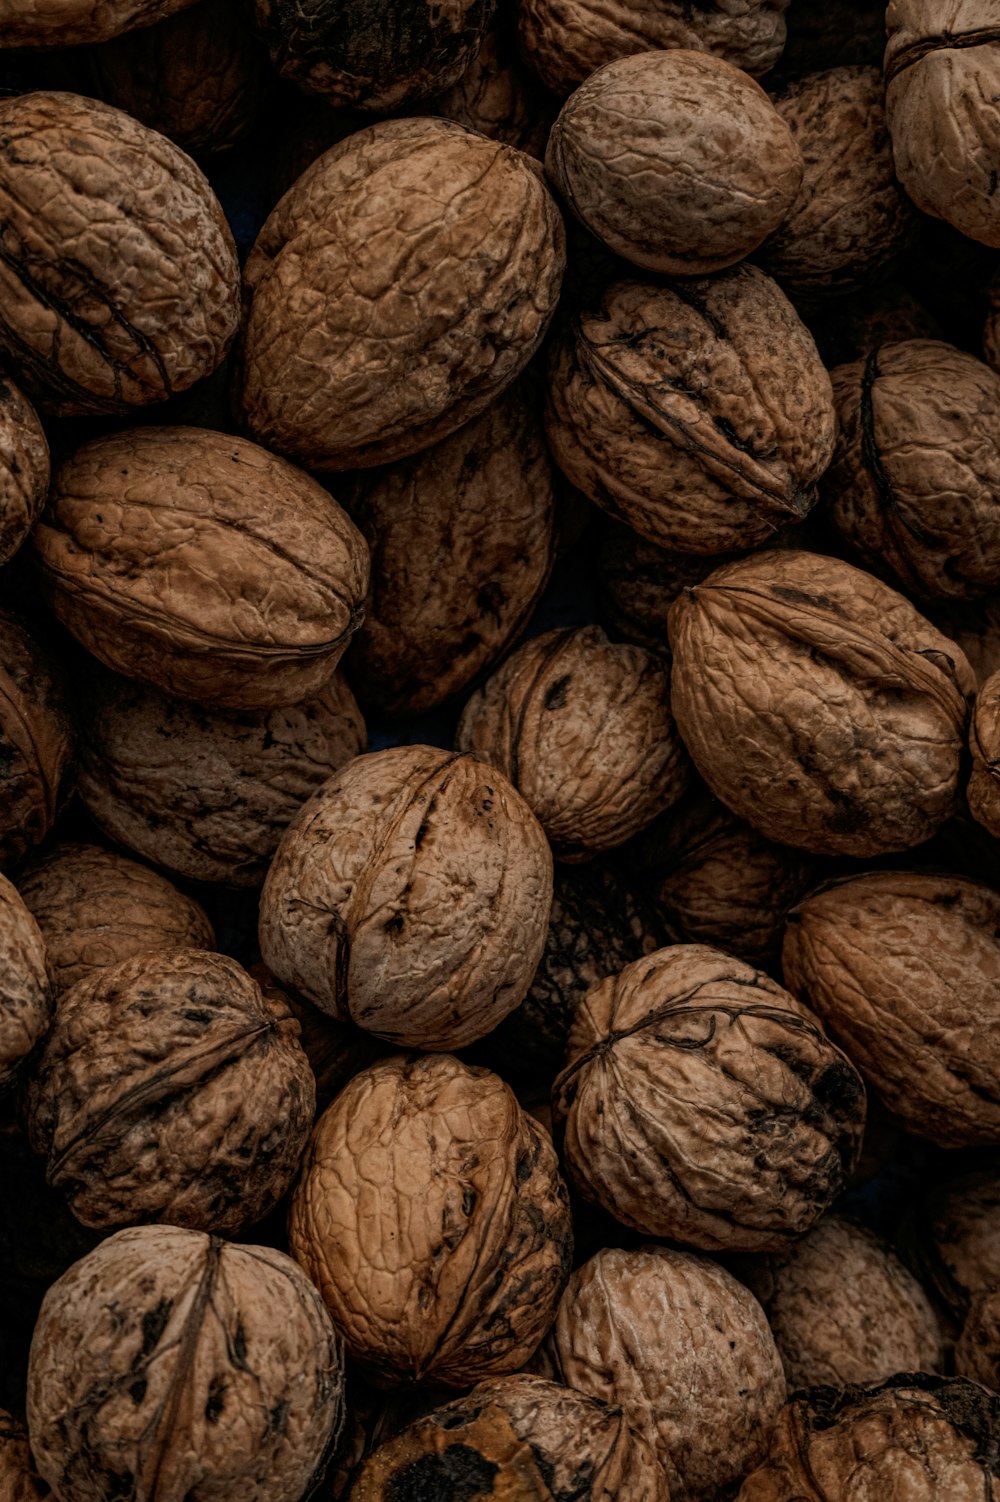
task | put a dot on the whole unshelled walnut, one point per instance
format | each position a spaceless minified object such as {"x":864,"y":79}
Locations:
{"x":37,"y":739}
{"x":19,"y":1480}
{"x":977,"y":1350}
{"x":35,"y":23}
{"x":431,"y":1216}
{"x":336,"y":1051}
{"x":171,"y":1364}
{"x":498,"y":96}
{"x":818,"y":704}
{"x":25,"y":996}
{"x":984,"y":785}
{"x":957,"y":1247}
{"x":24,"y":468}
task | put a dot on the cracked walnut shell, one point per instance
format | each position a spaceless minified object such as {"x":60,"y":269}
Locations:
{"x":984,"y":785}
{"x":25,"y":996}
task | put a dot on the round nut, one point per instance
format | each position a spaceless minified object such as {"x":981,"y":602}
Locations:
{"x":19,"y":1480}
{"x":984,"y":741}
{"x":24,"y":468}
{"x":957,"y":1248}
{"x":25,"y":997}
{"x":977,"y":1351}
{"x":36,"y":741}
{"x":28,"y":23}
{"x":499,"y":97}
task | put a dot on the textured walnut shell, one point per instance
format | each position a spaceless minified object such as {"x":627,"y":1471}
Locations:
{"x":915,"y":1436}
{"x":984,"y":785}
{"x":171,"y":1089}
{"x":25,"y":1002}
{"x":582,"y":728}
{"x":432,"y":1218}
{"x":95,"y":907}
{"x":686,"y":1352}
{"x":957,"y":1250}
{"x":42,"y":23}
{"x":637,"y":583}
{"x":462,"y":540}
{"x":119,"y":283}
{"x":24,"y":468}
{"x":336,"y":1051}
{"x":498,"y":96}
{"x":699,"y":414}
{"x":701,"y":1103}
{"x":975,"y":628}
{"x":977,"y":1351}
{"x":19,"y":1481}
{"x":905,"y":968}
{"x":399,"y":286}
{"x":36,"y":741}
{"x":676,"y":160}
{"x":818,"y":704}
{"x":410,"y":895}
{"x":202,"y":564}
{"x":844,"y":1310}
{"x":186,"y":1365}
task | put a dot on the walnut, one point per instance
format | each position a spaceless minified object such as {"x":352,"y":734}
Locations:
{"x":19,"y":1480}
{"x":410,"y":895}
{"x":169,"y":1088}
{"x":24,"y":468}
{"x":399,"y":286}
{"x":818,"y":704}
{"x":336,"y":1051}
{"x":40,"y":23}
{"x":701,"y":1103}
{"x":638,"y":582}
{"x":202,"y":564}
{"x":95,"y":907}
{"x":699,"y":414}
{"x":119,"y":283}
{"x":432,"y":1218}
{"x":975,"y":628}
{"x":686,"y":1352}
{"x":171,"y":1363}
{"x":984,"y":784}
{"x":462,"y":540}
{"x":36,"y":741}
{"x":977,"y":1351}
{"x":498,"y":96}
{"x":25,"y":1000}
{"x":877,"y":957}
{"x":957,"y":1249}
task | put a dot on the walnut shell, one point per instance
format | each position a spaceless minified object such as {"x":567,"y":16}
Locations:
{"x":984,"y":785}
{"x":24,"y":468}
{"x":637,"y":582}
{"x":25,"y":998}
{"x":336,"y":1051}
{"x":977,"y":1351}
{"x":171,"y":1089}
{"x":432,"y":1218}
{"x":119,"y":283}
{"x":36,"y":741}
{"x":676,"y":160}
{"x":686,"y":1352}
{"x":818,"y":704}
{"x":958,"y":1248}
{"x":19,"y":1480}
{"x":399,"y":286}
{"x":499,"y":97}
{"x":40,"y":23}
{"x":202,"y":564}
{"x":975,"y":628}
{"x":173,"y":1364}
{"x":905,"y":968}
{"x":410,"y":895}
{"x":699,"y":414}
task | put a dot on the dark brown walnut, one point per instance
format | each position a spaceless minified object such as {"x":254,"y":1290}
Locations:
{"x":204,"y":565}
{"x":336,"y":1051}
{"x":984,"y":785}
{"x":25,"y":995}
{"x":171,"y":1089}
{"x":462,"y":540}
{"x":172,"y":1364}
{"x":916,"y":1435}
{"x":818,"y":704}
{"x":36,"y":741}
{"x":501,"y":98}
{"x":582,"y":727}
{"x":119,"y":283}
{"x":676,"y":160}
{"x":24,"y":468}
{"x":699,"y":414}
{"x":638,"y":582}
{"x":956,"y":1246}
{"x":95,"y":907}
{"x":844,"y":1309}
{"x":701,"y":1103}
{"x":400,"y":285}
{"x":977,"y":1351}
{"x":975,"y":628}
{"x":991,"y":327}
{"x":685,"y":1350}
{"x":411,"y":896}
{"x":431,"y":1216}
{"x":19,"y":1481}
{"x":60,"y":23}
{"x":904,"y":967}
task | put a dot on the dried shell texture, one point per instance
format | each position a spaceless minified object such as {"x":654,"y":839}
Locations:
{"x":432,"y":1218}
{"x":171,"y":1089}
{"x":698,"y":414}
{"x":410,"y":895}
{"x":171,"y":1364}
{"x":863,"y":754}
{"x":24,"y":468}
{"x":916,"y":1436}
{"x":977,"y":1352}
{"x":984,"y":785}
{"x":975,"y":628}
{"x":958,"y":1252}
{"x":676,"y":160}
{"x":118,"y":283}
{"x":566,"y":40}
{"x":462,"y":539}
{"x":906,"y":968}
{"x":25,"y":1004}
{"x":701,"y":1103}
{"x":844,"y":1309}
{"x":942,"y":72}
{"x":851,"y":218}
{"x":19,"y":1481}
{"x":60,"y":23}
{"x":686,"y":1352}
{"x":540,"y":1440}
{"x":638,"y":582}
{"x":36,"y":741}
{"x":916,"y":470}
{"x":582,"y":727}
{"x":399,"y":286}
{"x":204,"y":565}
{"x":95,"y":907}
{"x":209,"y":792}
{"x":336,"y":1051}
{"x":498,"y":96}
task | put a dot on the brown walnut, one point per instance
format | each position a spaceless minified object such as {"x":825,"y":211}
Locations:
{"x":977,"y":1351}
{"x":37,"y":738}
{"x":638,"y":582}
{"x":24,"y":468}
{"x":957,"y":1248}
{"x":336,"y":1051}
{"x":62,"y":23}
{"x":19,"y":1480}
{"x":25,"y":996}
{"x":973,"y":626}
{"x":498,"y":96}
{"x":984,"y":784}
{"x":190,"y":1366}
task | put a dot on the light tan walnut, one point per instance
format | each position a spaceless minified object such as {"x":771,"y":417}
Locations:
{"x":25,"y":994}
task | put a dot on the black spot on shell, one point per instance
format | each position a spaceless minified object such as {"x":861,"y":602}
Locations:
{"x":138,"y":1391}
{"x":555,"y":694}
{"x":216,"y":1400}
{"x":154,"y":1322}
{"x":460,"y":1474}
{"x":839,"y":1088}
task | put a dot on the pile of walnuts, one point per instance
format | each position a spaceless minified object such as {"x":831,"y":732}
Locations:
{"x":499,"y":751}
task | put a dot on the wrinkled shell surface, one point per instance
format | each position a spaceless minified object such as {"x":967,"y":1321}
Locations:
{"x":984,"y":785}
{"x":19,"y":1481}
{"x":399,"y":286}
{"x":960,"y":1254}
{"x":60,"y":23}
{"x":638,"y":582}
{"x":818,"y":704}
{"x":24,"y":468}
{"x":410,"y":895}
{"x":336,"y":1051}
{"x":499,"y":97}
{"x":905,"y":968}
{"x":190,"y":1366}
{"x":25,"y":1005}
{"x":119,"y":283}
{"x":431,"y":1215}
{"x":36,"y":741}
{"x":171,"y":1089}
{"x":977,"y":1352}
